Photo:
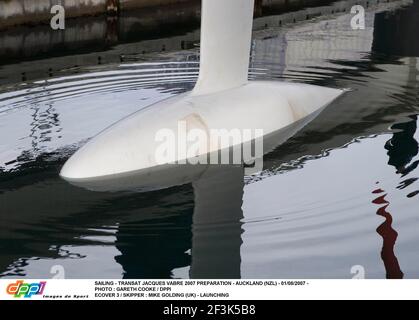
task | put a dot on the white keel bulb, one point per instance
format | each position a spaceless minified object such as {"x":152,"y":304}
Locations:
{"x":124,"y":155}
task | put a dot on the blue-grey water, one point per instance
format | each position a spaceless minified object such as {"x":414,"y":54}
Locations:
{"x":341,"y":193}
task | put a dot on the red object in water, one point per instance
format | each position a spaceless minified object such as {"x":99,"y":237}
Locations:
{"x":389,"y":235}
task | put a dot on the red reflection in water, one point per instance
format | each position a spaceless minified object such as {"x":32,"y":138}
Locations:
{"x":389,"y":235}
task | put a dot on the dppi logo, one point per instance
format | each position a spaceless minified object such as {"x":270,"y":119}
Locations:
{"x":27,"y":290}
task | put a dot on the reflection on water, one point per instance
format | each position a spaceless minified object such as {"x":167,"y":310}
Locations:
{"x":389,"y":235}
{"x":307,"y":215}
{"x":217,"y":226}
{"x":403,"y":147}
{"x":154,"y":249}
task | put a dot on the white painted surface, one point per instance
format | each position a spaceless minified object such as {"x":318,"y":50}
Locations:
{"x":222,"y":99}
{"x":226,"y":33}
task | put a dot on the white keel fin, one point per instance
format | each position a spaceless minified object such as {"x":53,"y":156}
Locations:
{"x":226,"y":32}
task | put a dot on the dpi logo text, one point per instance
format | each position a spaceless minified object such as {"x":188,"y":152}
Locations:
{"x":27,"y":290}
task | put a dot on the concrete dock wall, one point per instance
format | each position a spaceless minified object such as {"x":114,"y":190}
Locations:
{"x":38,"y":51}
{"x":138,"y":4}
{"x":17,"y":12}
{"x":33,"y":12}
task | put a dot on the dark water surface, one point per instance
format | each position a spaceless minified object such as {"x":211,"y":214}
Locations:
{"x":342,"y":193}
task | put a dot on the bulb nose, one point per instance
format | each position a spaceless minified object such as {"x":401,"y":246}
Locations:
{"x":76,"y":168}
